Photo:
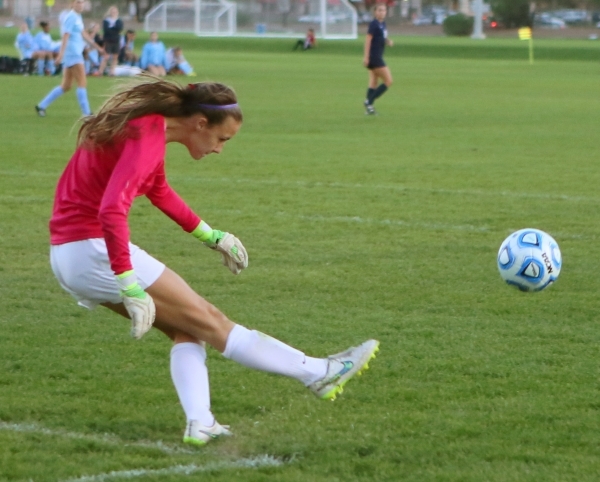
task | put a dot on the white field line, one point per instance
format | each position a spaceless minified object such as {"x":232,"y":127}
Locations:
{"x":387,"y":222}
{"x":414,"y":225}
{"x":248,"y":463}
{"x":357,"y":219}
{"x":390,"y":187}
{"x":342,"y":185}
{"x":419,"y":225}
{"x":103,"y":438}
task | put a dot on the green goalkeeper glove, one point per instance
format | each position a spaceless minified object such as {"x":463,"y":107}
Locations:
{"x":231,"y":248}
{"x":138,"y":304}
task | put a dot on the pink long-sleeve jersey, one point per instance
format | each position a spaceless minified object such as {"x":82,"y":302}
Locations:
{"x":96,"y":190}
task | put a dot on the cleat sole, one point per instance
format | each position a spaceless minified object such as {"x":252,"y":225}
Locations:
{"x":194,"y":441}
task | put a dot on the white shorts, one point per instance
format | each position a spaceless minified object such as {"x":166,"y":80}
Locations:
{"x":127,"y":71}
{"x":83,"y":270}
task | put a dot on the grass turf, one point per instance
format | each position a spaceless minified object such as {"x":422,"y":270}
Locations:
{"x":356,"y":227}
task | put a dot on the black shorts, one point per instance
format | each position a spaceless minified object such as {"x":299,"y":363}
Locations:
{"x":376,"y":63}
{"x":111,"y":48}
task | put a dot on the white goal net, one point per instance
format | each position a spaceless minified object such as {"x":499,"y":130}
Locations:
{"x":331,"y":19}
{"x":214,"y":18}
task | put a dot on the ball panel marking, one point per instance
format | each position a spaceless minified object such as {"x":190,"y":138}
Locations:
{"x":505,"y":258}
{"x":530,"y":239}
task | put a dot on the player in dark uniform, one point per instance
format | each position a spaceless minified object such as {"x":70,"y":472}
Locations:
{"x":373,"y":58}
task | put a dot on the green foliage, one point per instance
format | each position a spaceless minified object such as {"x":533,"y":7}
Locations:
{"x":243,"y":19}
{"x":384,"y":226}
{"x":458,"y":25}
{"x":512,"y":13}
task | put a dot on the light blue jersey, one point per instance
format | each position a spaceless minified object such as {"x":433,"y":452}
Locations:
{"x":153,"y":53}
{"x":73,"y":25}
{"x":43,"y":41}
{"x":25,"y":44}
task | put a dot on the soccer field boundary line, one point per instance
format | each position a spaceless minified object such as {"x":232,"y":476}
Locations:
{"x":334,"y":185}
{"x":390,"y":187}
{"x":418,"y":225}
{"x":405,"y":224}
{"x":103,"y":438}
{"x":387,"y":222}
{"x":245,"y":463}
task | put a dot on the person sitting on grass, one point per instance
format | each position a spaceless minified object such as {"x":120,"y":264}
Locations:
{"x":177,"y":65}
{"x":154,"y":58}
{"x":309,"y":42}
{"x":91,"y":54}
{"x":26,"y":47}
{"x":44,"y":50}
{"x":127,"y":55}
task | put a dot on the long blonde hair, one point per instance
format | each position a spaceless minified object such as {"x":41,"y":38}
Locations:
{"x":213,"y":100}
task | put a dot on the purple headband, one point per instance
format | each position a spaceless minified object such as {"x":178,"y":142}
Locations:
{"x":217,"y":107}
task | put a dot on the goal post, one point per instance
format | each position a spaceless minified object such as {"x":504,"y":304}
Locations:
{"x":331,"y":19}
{"x":201,"y":17}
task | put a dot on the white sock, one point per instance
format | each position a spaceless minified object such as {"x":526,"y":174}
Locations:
{"x":257,"y":350}
{"x":190,"y":377}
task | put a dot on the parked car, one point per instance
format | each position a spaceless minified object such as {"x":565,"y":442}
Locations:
{"x":549,"y":21}
{"x":437,"y":13}
{"x":571,"y":16}
{"x":329,"y":18}
{"x":422,"y":20}
{"x":492,"y":22}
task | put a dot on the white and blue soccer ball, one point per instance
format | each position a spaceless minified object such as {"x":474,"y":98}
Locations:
{"x":529,"y":259}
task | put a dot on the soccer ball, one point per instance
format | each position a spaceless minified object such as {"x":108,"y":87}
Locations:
{"x":529,"y":259}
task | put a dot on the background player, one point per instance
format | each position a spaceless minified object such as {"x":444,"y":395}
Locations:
{"x":71,"y":56}
{"x":375,"y":43}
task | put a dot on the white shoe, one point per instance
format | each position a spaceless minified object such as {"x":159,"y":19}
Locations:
{"x":198,"y":434}
{"x":342,"y":367}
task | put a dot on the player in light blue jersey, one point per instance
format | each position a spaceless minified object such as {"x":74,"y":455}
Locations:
{"x":177,"y":64}
{"x":71,"y":56}
{"x":43,"y":50}
{"x":25,"y":45}
{"x":154,"y":56}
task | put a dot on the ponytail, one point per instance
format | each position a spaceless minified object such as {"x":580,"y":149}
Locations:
{"x":214,"y":101}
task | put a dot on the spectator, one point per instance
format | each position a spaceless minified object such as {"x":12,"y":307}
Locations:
{"x":91,"y":54}
{"x":25,"y":46}
{"x":44,"y":50}
{"x":126,"y":54}
{"x":154,"y":58}
{"x":176,"y":63}
{"x":112,"y":26}
{"x":309,"y":42}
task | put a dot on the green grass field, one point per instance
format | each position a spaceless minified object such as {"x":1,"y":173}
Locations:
{"x":357,"y":227}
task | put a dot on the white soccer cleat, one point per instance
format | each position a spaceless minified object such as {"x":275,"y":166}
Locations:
{"x":342,"y":367}
{"x":198,"y":434}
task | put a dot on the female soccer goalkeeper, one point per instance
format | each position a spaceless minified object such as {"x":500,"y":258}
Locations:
{"x":120,"y":155}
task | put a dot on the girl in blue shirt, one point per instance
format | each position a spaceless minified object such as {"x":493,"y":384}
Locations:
{"x":71,"y":56}
{"x":43,"y":50}
{"x":375,"y":43}
{"x":24,"y":42}
{"x":154,"y":56}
